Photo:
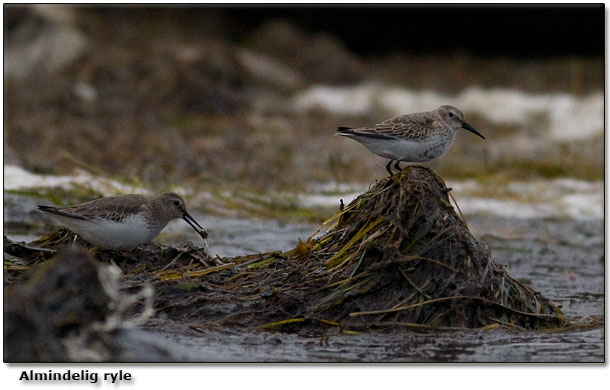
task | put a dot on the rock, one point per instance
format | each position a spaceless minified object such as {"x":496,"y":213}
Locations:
{"x":57,"y":299}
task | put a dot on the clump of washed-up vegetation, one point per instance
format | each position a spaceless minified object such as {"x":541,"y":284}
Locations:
{"x":399,"y":256}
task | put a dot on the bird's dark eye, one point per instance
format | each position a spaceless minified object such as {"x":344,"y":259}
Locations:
{"x":451,"y":115}
{"x":176,"y":203}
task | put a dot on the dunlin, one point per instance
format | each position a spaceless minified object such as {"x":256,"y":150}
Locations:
{"x":124,"y":221}
{"x":418,"y":137}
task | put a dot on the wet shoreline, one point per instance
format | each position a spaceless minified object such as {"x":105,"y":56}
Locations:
{"x":563,"y":259}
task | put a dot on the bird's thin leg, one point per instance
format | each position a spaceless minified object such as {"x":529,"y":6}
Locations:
{"x":397,"y":165}
{"x":388,"y":167}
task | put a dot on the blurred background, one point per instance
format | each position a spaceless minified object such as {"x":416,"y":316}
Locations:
{"x":235,"y":109}
{"x":236,"y":98}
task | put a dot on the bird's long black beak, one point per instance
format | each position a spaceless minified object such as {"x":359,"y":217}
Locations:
{"x":471,"y":129}
{"x":191,"y":221}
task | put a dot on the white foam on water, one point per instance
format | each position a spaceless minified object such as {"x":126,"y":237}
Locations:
{"x":565,"y":117}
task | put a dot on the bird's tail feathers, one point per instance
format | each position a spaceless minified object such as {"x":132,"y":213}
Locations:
{"x":55,"y":210}
{"x":342,"y":130}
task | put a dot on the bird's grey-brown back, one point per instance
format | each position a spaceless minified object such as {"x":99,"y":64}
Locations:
{"x":411,"y":126}
{"x":444,"y":120}
{"x":112,"y":208}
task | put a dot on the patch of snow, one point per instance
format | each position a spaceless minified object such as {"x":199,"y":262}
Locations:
{"x":17,"y":178}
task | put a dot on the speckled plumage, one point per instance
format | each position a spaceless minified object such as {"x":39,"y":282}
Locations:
{"x":418,"y":137}
{"x":123,"y":221}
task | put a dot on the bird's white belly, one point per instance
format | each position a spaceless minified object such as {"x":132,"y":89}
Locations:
{"x":127,"y":234}
{"x":408,"y":150}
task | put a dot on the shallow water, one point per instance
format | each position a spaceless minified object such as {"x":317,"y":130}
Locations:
{"x":501,"y":345}
{"x":236,"y":237}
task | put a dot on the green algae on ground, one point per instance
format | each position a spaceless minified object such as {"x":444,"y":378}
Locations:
{"x":258,"y":205}
{"x":58,"y":196}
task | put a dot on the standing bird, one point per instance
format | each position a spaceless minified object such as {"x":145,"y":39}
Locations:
{"x":124,"y":221}
{"x":418,"y":137}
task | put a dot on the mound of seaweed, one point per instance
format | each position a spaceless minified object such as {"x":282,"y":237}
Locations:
{"x":398,"y":256}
